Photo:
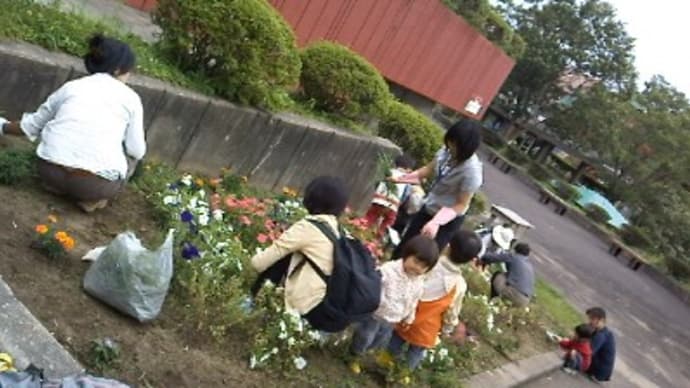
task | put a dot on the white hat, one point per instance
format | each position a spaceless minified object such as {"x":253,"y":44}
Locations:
{"x":502,"y":236}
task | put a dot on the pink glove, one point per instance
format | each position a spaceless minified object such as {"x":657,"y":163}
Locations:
{"x":442,"y":217}
{"x":411,"y":178}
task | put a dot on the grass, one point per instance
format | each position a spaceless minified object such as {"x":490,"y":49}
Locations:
{"x":556,"y":307}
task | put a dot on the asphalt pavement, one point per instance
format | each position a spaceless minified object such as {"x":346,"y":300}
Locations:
{"x":652,"y":326}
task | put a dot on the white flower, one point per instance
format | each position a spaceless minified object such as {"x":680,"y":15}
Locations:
{"x":186,"y":180}
{"x":170,"y":200}
{"x":282,"y":335}
{"x":218,"y":215}
{"x":443,"y":353}
{"x":265,"y":357}
{"x":203,"y":219}
{"x":202,"y":193}
{"x":300,"y":363}
{"x":499,"y":331}
{"x":291,"y":342}
{"x":282,"y":326}
{"x":274,"y":351}
{"x":314,"y":335}
{"x":193,"y":203}
{"x":252,"y":362}
{"x":526,"y":309}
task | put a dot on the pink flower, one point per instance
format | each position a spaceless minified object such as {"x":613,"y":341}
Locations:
{"x":245,"y":220}
{"x":262,"y":238}
{"x":269,"y":224}
{"x":231,"y":202}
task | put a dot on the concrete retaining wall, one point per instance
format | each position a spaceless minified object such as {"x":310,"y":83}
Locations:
{"x":200,"y":134}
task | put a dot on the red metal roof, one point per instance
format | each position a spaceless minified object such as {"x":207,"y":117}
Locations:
{"x":419,"y":44}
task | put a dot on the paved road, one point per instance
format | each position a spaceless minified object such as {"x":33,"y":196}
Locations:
{"x":652,"y":326}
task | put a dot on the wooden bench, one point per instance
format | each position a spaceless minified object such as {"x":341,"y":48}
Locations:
{"x":635,"y":260}
{"x":546,"y":197}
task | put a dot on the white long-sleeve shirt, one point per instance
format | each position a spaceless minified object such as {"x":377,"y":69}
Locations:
{"x":400,"y":293}
{"x":92,"y":123}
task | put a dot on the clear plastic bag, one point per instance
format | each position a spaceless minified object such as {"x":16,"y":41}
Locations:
{"x":131,"y":278}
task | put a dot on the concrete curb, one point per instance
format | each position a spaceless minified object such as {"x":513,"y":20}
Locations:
{"x":28,"y":342}
{"x":517,"y":373}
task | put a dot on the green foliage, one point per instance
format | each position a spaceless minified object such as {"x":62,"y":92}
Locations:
{"x":493,"y":139}
{"x":415,"y":133}
{"x":480,"y":204}
{"x":243,"y":47}
{"x":566,"y":191}
{"x":636,"y":237}
{"x":540,"y":172}
{"x":16,"y":166}
{"x":516,"y":156}
{"x":48,"y":26}
{"x":104,"y":354}
{"x":551,"y":303}
{"x":581,"y":38}
{"x":597,"y":213}
{"x":484,"y":17}
{"x":342,"y":82}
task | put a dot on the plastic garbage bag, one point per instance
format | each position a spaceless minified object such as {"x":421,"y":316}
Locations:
{"x":131,"y":278}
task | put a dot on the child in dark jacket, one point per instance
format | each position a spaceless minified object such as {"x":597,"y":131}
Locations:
{"x":578,"y":356}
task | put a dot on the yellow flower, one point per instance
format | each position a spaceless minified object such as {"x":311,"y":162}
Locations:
{"x":41,"y":229}
{"x":289,"y":192}
{"x":199,"y":182}
{"x":245,"y":179}
{"x":52,"y":218}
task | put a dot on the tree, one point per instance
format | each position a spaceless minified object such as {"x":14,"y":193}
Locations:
{"x":491,"y":23}
{"x":578,"y":37}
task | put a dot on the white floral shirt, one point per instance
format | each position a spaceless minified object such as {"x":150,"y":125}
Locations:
{"x":400,"y":293}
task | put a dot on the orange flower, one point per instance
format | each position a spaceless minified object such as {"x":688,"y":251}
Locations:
{"x":52,"y":218}
{"x":289,"y":192}
{"x":41,"y":229}
{"x":199,"y":182}
{"x":67,"y":243}
{"x":61,"y":236}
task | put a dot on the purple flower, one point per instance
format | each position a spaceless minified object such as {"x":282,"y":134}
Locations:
{"x":186,"y":216}
{"x":174,"y":186}
{"x":189,"y":251}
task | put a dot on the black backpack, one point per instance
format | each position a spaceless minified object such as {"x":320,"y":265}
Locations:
{"x":353,"y":290}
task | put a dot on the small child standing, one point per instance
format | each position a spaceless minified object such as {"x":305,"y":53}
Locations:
{"x":578,"y":356}
{"x":402,"y":284}
{"x":439,"y":307}
{"x":384,"y":207}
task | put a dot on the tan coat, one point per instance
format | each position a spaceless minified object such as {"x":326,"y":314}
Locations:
{"x":303,"y":289}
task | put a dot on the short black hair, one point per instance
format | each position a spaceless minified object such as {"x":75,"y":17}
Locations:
{"x":596,"y":312}
{"x":108,"y":55}
{"x":522,"y":249}
{"x":326,"y":195}
{"x":405,"y":161}
{"x":466,"y":137}
{"x":423,"y":248}
{"x":584,"y":331}
{"x":464,"y":246}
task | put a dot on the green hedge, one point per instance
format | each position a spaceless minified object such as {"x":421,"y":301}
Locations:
{"x":566,"y":191}
{"x":516,"y":156}
{"x":415,"y":133}
{"x":540,"y":172}
{"x":597,"y":213}
{"x":243,"y":47}
{"x":342,"y":82}
{"x":636,"y":237}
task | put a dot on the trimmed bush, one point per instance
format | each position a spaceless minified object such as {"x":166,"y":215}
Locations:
{"x":342,"y":82}
{"x":415,"y":133}
{"x":516,"y":156}
{"x":678,"y":266}
{"x":566,"y":191}
{"x":244,"y":47}
{"x":597,"y":213}
{"x":636,"y":237}
{"x":540,"y":172}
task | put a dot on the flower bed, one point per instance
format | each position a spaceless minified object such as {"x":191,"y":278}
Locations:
{"x":222,"y":222}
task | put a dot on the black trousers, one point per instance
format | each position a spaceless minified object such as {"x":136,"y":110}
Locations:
{"x":445,"y":232}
